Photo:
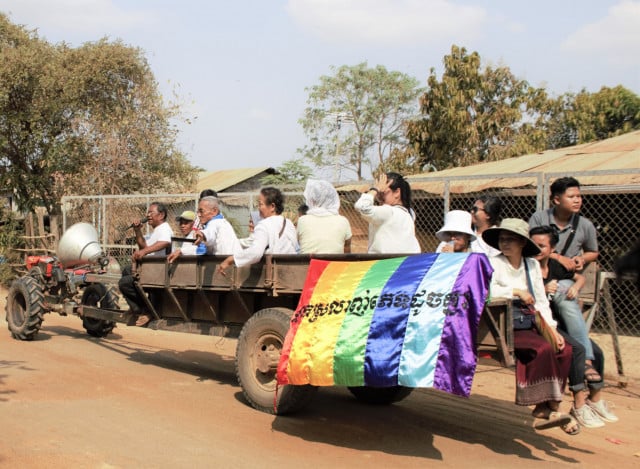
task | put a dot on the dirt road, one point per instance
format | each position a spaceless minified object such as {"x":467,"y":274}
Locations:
{"x":143,"y":398}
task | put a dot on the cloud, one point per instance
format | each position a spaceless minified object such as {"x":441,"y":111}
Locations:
{"x":615,"y":38}
{"x":69,"y":18}
{"x":388,"y":22}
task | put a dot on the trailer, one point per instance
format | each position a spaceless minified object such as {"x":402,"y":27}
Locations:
{"x":253,"y":304}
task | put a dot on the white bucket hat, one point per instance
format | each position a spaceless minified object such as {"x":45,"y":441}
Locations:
{"x":458,"y":221}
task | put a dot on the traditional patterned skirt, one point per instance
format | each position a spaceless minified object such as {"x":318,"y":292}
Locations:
{"x":541,"y":374}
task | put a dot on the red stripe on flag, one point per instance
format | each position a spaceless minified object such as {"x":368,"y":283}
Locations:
{"x":316,"y":269}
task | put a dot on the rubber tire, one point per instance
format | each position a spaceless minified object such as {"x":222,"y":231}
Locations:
{"x":380,"y":396}
{"x":99,"y":295}
{"x":267,"y":328}
{"x":25,"y":308}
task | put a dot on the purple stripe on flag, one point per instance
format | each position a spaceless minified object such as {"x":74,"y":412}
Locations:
{"x":456,"y":359}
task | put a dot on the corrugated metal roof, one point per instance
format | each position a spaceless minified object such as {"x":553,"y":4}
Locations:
{"x":223,"y":179}
{"x":616,"y":153}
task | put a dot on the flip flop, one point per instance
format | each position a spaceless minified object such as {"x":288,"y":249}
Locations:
{"x":556,"y":419}
{"x":143,"y":320}
{"x":591,"y":374}
{"x":571,"y":428}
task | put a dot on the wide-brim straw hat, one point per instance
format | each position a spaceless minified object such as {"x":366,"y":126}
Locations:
{"x":458,"y":221}
{"x":515,"y":226}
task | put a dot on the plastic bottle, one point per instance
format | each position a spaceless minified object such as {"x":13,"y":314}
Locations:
{"x":201,"y":249}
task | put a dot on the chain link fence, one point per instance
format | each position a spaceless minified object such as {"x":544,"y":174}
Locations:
{"x":612,"y":204}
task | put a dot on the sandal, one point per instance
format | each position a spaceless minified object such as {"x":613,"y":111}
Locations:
{"x":541,"y":411}
{"x":556,"y":419}
{"x":572,"y":427}
{"x":591,"y":374}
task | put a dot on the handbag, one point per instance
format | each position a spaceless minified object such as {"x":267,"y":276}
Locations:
{"x":543,"y":328}
{"x":522,"y":316}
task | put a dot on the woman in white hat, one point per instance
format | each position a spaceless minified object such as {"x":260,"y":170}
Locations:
{"x":541,"y":373}
{"x":456,"y":234}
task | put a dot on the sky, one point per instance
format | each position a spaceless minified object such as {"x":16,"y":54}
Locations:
{"x":242,"y":68}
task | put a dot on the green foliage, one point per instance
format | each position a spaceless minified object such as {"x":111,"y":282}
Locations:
{"x":402,"y":161}
{"x":291,"y":172}
{"x":356,"y":117}
{"x":82,"y":121}
{"x":585,"y":116}
{"x":473,"y":115}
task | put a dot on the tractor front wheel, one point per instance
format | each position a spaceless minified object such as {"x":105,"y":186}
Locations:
{"x":25,"y":308}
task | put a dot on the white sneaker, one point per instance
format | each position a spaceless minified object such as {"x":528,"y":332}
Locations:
{"x":587,"y":417}
{"x":601,"y":408}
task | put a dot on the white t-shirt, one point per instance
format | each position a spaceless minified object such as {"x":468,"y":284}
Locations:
{"x":162,"y":232}
{"x":268,"y":240}
{"x":324,"y":234}
{"x":220,"y":237}
{"x":391,"y":227}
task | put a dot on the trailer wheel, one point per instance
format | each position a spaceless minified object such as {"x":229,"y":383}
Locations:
{"x":99,"y":295}
{"x":380,"y":396}
{"x":25,"y":308}
{"x":257,"y":356}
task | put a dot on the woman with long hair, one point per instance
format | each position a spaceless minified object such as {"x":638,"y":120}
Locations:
{"x":391,"y":222}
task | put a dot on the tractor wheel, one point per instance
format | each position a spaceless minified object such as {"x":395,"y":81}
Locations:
{"x":99,"y":295}
{"x":25,"y":308}
{"x":380,"y":396}
{"x":257,"y":355}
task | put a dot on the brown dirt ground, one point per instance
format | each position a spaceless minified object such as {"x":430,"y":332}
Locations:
{"x":143,"y":398}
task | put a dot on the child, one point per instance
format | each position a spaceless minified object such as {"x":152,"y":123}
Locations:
{"x":563,"y":298}
{"x":456,"y":235}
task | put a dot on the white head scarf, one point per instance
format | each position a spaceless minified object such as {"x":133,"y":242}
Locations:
{"x":321,"y":197}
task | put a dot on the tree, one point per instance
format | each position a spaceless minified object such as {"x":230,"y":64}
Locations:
{"x":584,"y":117}
{"x":82,"y":120}
{"x":292,"y":172}
{"x":475,"y":115}
{"x":355,"y":118}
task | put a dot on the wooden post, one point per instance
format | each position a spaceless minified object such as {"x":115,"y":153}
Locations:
{"x":41,"y":231}
{"x":28,"y":231}
{"x":613,"y":327}
{"x":54,"y":228}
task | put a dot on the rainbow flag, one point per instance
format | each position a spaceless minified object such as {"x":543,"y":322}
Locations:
{"x":409,"y":321}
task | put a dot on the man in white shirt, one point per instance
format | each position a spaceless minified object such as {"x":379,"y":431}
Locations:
{"x":216,"y":232}
{"x":158,"y":244}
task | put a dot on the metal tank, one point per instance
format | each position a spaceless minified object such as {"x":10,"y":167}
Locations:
{"x":79,"y":245}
